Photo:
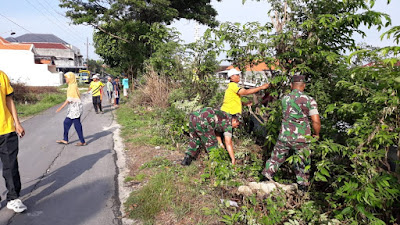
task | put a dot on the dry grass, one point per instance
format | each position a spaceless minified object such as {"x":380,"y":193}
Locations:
{"x":154,"y":91}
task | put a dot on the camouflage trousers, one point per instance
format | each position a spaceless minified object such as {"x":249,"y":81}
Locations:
{"x":279,"y":155}
{"x":201,"y":134}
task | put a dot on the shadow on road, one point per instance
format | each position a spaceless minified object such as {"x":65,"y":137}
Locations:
{"x":94,"y":137}
{"x":69,"y":207}
{"x":62,"y":176}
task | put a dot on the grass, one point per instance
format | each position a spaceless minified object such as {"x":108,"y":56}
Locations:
{"x":139,"y":178}
{"x":156,"y":196}
{"x":140,"y":127}
{"x":46,"y":101}
{"x":156,"y":162}
{"x":172,"y":194}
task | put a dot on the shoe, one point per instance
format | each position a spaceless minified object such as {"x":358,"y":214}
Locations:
{"x":187,"y":160}
{"x":16,"y":205}
{"x":97,"y":112}
{"x":81,"y":144}
{"x":102,"y":112}
{"x":62,"y":142}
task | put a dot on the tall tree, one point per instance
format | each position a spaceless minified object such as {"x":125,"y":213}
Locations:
{"x":124,"y":28}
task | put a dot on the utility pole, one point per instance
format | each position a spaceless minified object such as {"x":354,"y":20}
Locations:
{"x":87,"y":52}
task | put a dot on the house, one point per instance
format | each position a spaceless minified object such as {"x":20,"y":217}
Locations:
{"x":66,"y":57}
{"x":253,"y":76}
{"x":22,"y":64}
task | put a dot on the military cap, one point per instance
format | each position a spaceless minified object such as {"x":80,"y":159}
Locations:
{"x":298,"y":78}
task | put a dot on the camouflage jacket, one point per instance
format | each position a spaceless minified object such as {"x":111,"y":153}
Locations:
{"x":216,"y":119}
{"x":296,"y":109}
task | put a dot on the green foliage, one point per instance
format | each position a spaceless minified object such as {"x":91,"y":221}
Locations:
{"x":156,"y":196}
{"x":95,"y":66}
{"x":156,"y":162}
{"x":128,"y":179}
{"x":175,"y":122}
{"x":130,"y":32}
{"x":45,"y":101}
{"x":219,"y":169}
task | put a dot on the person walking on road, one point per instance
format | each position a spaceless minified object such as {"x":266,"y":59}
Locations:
{"x":232,"y":103}
{"x":125,"y":85}
{"x":96,"y":86}
{"x":295,"y":132}
{"x":110,"y":89}
{"x":117,"y":88}
{"x":11,"y":128}
{"x":205,"y":127}
{"x":75,"y":110}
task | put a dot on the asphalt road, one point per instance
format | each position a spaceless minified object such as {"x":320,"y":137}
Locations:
{"x":66,"y":184}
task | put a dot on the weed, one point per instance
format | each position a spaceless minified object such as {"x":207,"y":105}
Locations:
{"x":140,"y":177}
{"x":156,"y":196}
{"x":128,"y":179}
{"x":156,"y":162}
{"x":47,"y":101}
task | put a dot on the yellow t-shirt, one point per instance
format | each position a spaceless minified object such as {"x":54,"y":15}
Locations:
{"x":7,"y":121}
{"x":96,"y":86}
{"x":232,"y":103}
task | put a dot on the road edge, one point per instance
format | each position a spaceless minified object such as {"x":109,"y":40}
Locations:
{"x":123,"y":191}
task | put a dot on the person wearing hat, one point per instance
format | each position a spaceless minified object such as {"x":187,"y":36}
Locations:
{"x":96,"y":86}
{"x":205,"y":127}
{"x":295,"y":134}
{"x":232,"y":103}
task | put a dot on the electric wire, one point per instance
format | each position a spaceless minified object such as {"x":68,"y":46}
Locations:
{"x":61,"y":28}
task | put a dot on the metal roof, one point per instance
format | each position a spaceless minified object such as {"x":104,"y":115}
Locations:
{"x":38,"y":38}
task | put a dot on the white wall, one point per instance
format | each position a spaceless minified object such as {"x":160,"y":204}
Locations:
{"x":20,"y":67}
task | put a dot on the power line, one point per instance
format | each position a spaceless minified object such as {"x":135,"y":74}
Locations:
{"x":21,"y":26}
{"x":68,"y":27}
{"x":15,"y":23}
{"x":49,"y":19}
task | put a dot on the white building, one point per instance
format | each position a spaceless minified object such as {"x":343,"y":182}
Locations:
{"x":65,"y":56}
{"x":22,"y":65}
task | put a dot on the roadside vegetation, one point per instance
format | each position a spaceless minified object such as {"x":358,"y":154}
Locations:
{"x":32,"y":100}
{"x":355,"y":171}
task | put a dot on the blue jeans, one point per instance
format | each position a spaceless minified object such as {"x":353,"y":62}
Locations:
{"x":78,"y":127}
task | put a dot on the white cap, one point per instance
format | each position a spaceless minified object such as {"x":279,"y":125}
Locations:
{"x":232,"y":72}
{"x":95,"y":77}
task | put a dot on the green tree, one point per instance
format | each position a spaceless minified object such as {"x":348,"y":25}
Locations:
{"x":124,"y":29}
{"x":358,"y":104}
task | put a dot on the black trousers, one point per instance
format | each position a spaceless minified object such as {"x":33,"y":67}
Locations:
{"x":8,"y":155}
{"x":97,"y":103}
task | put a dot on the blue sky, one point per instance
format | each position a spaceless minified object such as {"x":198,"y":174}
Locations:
{"x":44,"y":16}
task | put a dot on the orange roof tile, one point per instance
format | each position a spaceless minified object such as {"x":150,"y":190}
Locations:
{"x":259,"y":67}
{"x":48,"y":45}
{"x":4,"y":44}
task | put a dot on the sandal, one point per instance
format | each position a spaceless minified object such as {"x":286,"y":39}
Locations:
{"x":81,"y":144}
{"x":62,"y":142}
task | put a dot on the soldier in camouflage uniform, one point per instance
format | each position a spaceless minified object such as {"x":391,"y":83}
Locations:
{"x":295,"y":132}
{"x":205,"y":127}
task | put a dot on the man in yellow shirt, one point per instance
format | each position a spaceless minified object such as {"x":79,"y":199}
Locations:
{"x":232,"y":103}
{"x":10,"y":130}
{"x":97,"y":92}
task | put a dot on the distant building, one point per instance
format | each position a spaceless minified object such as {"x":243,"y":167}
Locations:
{"x":22,"y":64}
{"x":65,"y":57}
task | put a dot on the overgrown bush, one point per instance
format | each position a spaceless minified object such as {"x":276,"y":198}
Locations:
{"x":29,"y":94}
{"x":154,"y":90}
